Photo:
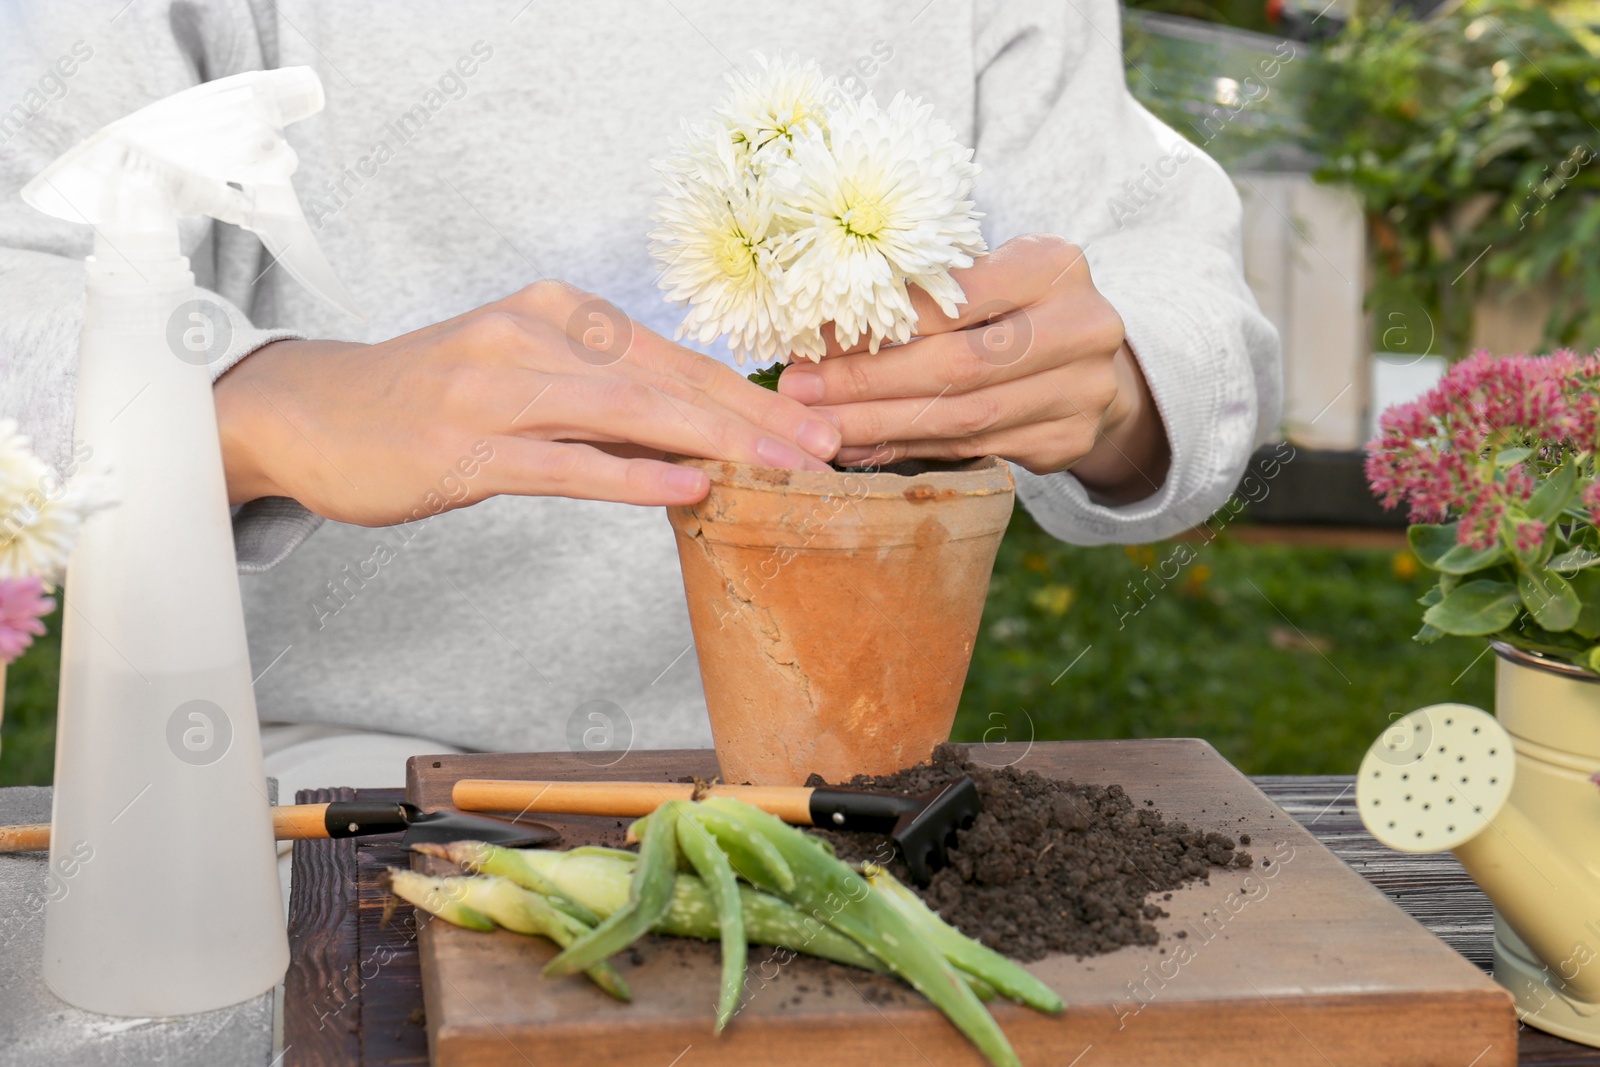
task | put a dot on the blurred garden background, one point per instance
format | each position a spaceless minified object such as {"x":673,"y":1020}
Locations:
{"x":1419,"y":182}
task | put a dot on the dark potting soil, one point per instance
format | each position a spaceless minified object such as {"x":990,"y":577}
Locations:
{"x":1048,"y":866}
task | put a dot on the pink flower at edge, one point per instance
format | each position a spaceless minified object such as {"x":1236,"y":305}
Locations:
{"x":22,"y":606}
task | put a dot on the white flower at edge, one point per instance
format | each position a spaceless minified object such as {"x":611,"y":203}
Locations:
{"x":879,"y":202}
{"x":40,"y":515}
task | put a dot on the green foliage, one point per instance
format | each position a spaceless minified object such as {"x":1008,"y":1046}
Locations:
{"x":1289,"y":660}
{"x":767,"y":377}
{"x":1240,"y":14}
{"x":1469,"y":134}
{"x":1537,"y":593}
{"x":28,"y":736}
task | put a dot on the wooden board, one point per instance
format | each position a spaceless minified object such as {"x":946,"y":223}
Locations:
{"x":1299,"y":961}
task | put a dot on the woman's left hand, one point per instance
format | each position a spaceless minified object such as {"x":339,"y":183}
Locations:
{"x":1035,"y":370}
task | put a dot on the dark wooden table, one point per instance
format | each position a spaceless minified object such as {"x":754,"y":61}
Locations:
{"x":354,"y":990}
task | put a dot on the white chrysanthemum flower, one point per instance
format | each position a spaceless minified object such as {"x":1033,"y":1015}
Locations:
{"x":798,"y":206}
{"x":778,"y":101}
{"x":40,"y":515}
{"x":718,"y":247}
{"x":880,"y":203}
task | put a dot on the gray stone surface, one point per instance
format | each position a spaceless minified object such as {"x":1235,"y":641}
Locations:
{"x":37,"y":1028}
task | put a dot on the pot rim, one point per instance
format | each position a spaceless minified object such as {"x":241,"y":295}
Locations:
{"x":985,"y":476}
{"x":1534,"y":661}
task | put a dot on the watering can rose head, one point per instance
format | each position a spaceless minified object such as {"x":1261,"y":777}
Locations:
{"x":1497,"y":464}
{"x":798,"y":205}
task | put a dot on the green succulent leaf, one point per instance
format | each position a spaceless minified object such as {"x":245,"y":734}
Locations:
{"x":1574,"y":559}
{"x":1550,"y":598}
{"x":1586,"y":584}
{"x":1475,"y":608}
{"x":1515,"y":519}
{"x":1512,"y":455}
{"x":1592,"y":660}
{"x":1431,"y":597}
{"x":1554,"y":493}
{"x":1436,"y":546}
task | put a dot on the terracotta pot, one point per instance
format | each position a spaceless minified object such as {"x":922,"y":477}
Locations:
{"x":834,"y":613}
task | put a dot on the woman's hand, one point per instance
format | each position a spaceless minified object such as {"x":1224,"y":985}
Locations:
{"x":549,"y":392}
{"x":1035,"y":370}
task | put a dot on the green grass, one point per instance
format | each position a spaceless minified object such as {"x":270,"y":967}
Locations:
{"x":1289,"y":660}
{"x":28,"y":735}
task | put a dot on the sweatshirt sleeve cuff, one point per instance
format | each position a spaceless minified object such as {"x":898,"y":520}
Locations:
{"x":1209,"y":415}
{"x":265,"y":531}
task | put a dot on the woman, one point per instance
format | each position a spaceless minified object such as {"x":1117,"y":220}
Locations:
{"x":481,"y":178}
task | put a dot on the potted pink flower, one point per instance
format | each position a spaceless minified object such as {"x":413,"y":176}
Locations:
{"x":1498,"y":465}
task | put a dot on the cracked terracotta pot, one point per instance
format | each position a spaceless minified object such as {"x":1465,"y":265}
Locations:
{"x":834,"y":613}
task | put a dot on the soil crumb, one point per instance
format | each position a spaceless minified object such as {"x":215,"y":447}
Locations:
{"x":1049,"y":866}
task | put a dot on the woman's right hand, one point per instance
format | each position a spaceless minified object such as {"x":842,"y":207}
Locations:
{"x":562,"y":392}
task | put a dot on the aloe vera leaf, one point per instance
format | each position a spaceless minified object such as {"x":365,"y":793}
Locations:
{"x":526,"y":912}
{"x":711,"y":863}
{"x":752,"y":856}
{"x":649,"y":896}
{"x":601,"y":881}
{"x":508,"y":863}
{"x":962,"y":951}
{"x":436,"y":896}
{"x":828,"y":889}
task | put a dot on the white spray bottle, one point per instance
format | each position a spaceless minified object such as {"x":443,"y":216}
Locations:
{"x":164,"y":889}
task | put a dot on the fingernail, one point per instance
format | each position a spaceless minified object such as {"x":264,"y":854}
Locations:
{"x":777,"y":454}
{"x":818,"y":438}
{"x":686,"y":480}
{"x":801,"y":385}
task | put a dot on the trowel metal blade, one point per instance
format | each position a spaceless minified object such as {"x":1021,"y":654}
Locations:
{"x":443,"y":827}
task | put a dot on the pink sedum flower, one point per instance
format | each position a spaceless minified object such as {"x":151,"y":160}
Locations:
{"x":1437,"y":453}
{"x":22,"y":606}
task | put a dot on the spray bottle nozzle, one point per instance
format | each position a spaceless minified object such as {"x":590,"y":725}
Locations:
{"x":297,"y":94}
{"x":216,"y":149}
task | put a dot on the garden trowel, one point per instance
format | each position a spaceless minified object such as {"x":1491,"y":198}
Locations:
{"x":354,"y":818}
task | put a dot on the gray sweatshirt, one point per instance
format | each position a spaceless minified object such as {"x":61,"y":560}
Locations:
{"x":471,"y":148}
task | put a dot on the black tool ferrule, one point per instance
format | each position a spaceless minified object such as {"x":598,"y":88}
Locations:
{"x":349,"y":818}
{"x":844,"y":809}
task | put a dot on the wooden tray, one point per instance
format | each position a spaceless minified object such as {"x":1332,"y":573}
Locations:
{"x":1299,"y":961}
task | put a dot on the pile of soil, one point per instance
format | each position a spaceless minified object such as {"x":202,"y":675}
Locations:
{"x":1048,"y":866}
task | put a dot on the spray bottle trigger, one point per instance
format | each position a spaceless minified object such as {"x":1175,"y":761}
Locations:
{"x":281,"y":224}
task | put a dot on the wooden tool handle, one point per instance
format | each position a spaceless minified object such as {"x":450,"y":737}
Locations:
{"x":295,"y":822}
{"x":300,"y":822}
{"x":790,"y":803}
{"x":32,"y":838}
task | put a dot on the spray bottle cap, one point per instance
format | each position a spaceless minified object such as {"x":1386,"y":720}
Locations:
{"x":215,"y":149}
